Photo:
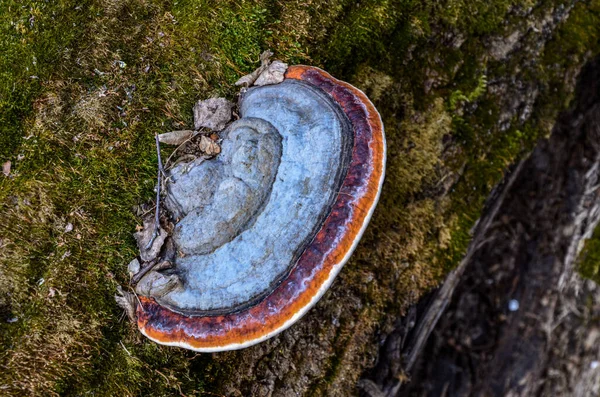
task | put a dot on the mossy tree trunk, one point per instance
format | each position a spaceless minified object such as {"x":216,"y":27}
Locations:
{"x":521,"y":321}
{"x":339,"y":341}
{"x":465,"y":89}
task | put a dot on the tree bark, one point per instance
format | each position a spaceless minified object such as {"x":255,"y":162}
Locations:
{"x":519,"y":322}
{"x":327,"y":352}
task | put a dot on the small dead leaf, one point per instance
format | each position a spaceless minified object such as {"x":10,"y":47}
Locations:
{"x":127,"y":301}
{"x":264,"y":57}
{"x":274,"y":74}
{"x":213,"y":113}
{"x":209,"y":147}
{"x":134,"y":267}
{"x":175,"y":137}
{"x":249,"y":79}
{"x":163,"y":266}
{"x":6,"y":168}
{"x":144,"y":236}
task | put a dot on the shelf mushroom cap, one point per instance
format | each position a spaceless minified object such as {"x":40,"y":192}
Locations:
{"x":286,"y":226}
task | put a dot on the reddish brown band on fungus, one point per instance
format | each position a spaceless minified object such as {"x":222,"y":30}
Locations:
{"x":330,"y":247}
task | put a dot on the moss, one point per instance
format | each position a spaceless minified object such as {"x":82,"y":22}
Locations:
{"x":589,"y":260}
{"x":110,"y":74}
{"x":458,"y":97}
{"x":32,"y":39}
{"x":490,"y":154}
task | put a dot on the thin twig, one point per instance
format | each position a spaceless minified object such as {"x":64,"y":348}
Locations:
{"x":179,"y":147}
{"x":122,"y":345}
{"x":147,"y":212}
{"x":136,"y":295}
{"x":158,"y":183}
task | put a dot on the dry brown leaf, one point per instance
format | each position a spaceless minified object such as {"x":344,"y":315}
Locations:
{"x":209,"y":147}
{"x":144,"y":237}
{"x":127,"y":301}
{"x":134,"y":267}
{"x":175,"y":137}
{"x":212,"y":113}
{"x":249,"y":79}
{"x":274,"y":74}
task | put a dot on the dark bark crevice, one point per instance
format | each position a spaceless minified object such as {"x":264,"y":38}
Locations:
{"x":514,"y":312}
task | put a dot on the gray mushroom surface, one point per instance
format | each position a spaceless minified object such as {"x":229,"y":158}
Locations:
{"x":247,"y":215}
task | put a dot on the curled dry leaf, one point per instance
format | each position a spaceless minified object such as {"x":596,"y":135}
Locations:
{"x":158,"y":284}
{"x":126,"y":301}
{"x":249,"y":79}
{"x":264,"y":57}
{"x":213,"y":113}
{"x":134,"y":267}
{"x":144,"y":236}
{"x":175,"y":137}
{"x":6,"y":168}
{"x":274,"y":74}
{"x":209,"y":147}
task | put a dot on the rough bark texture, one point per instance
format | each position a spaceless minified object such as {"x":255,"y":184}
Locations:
{"x":520,"y":322}
{"x":327,"y":351}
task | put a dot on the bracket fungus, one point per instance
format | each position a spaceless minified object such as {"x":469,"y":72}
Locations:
{"x":261,"y":230}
